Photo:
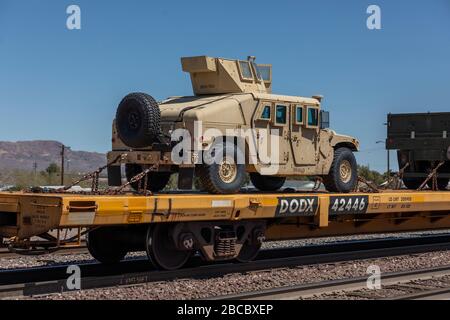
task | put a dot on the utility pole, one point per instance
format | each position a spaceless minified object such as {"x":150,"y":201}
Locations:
{"x":388,"y":159}
{"x":35,"y":172}
{"x":63,"y":150}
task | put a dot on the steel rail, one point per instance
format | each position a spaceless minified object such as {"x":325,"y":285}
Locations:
{"x":432,"y":294}
{"x":6,"y":254}
{"x":307,"y":290}
{"x":45,"y":280}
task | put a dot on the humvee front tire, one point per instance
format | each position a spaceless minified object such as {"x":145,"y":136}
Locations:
{"x":223,"y":175}
{"x":156,"y":181}
{"x":343,"y":174}
{"x":266,"y":183}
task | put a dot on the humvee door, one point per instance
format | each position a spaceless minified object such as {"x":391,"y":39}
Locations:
{"x":304,"y":134}
{"x":272,"y":116}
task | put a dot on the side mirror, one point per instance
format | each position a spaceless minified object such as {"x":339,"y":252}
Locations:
{"x":324,"y":119}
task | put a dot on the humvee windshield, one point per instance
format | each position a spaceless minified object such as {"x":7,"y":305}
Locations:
{"x":245,"y":70}
{"x":263,"y":72}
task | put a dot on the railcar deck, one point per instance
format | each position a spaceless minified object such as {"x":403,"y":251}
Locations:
{"x":290,"y":215}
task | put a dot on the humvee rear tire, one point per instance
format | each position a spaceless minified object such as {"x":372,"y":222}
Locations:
{"x":103,"y":245}
{"x":343,"y":174}
{"x":224,"y":175}
{"x":138,"y":120}
{"x":266,"y":183}
{"x":156,"y":181}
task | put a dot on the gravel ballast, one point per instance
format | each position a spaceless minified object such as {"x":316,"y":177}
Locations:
{"x":387,"y":292}
{"x":258,"y":280}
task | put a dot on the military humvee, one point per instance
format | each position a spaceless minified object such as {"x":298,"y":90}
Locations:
{"x":230,"y":96}
{"x":422,"y":141}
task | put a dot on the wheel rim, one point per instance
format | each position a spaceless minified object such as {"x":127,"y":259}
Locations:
{"x":162,"y":251}
{"x":134,"y":121}
{"x":227,"y":170}
{"x":345,"y":171}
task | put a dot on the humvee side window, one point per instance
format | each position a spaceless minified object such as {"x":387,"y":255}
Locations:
{"x":265,"y":115}
{"x":313,"y":117}
{"x":246,"y":72}
{"x":281,"y":114}
{"x":298,"y":115}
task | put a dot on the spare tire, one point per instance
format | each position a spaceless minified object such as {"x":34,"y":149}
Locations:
{"x":138,"y":120}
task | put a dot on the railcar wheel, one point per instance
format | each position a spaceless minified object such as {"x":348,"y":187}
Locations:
{"x":248,"y":252}
{"x":161,"y":249}
{"x":103,"y":245}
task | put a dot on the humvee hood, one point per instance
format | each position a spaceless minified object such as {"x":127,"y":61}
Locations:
{"x":172,"y":108}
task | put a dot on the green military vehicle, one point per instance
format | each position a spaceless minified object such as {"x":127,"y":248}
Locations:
{"x":230,"y":97}
{"x":423,"y":142}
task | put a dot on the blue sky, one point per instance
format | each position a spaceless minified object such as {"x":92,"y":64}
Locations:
{"x":65,"y":85}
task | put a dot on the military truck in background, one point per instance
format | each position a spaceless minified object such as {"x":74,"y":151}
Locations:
{"x":229,"y":95}
{"x":422,"y":141}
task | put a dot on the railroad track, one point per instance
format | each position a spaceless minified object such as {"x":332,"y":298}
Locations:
{"x":45,"y":280}
{"x":5,"y":253}
{"x":328,"y":287}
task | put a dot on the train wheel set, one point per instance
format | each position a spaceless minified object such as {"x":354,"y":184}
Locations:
{"x":169,"y":246}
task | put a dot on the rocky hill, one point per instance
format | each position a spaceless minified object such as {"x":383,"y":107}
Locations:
{"x":24,"y":154}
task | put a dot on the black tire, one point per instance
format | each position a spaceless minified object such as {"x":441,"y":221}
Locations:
{"x":103,"y":245}
{"x":412,"y":183}
{"x":138,"y":120}
{"x":267,"y":183}
{"x":209,"y":175}
{"x":334,"y":182}
{"x":156,"y":181}
{"x":442,"y":183}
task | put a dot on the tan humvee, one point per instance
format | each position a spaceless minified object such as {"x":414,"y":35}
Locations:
{"x":230,"y":97}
